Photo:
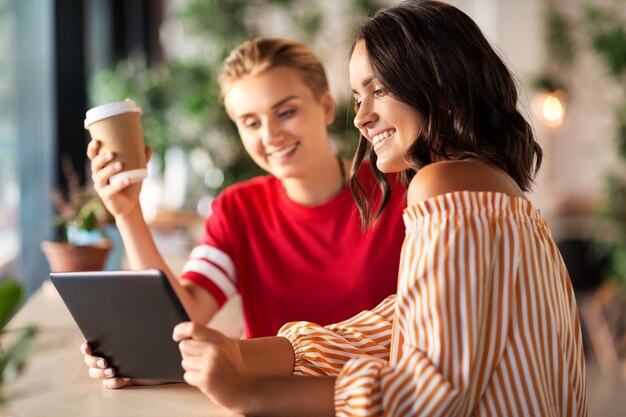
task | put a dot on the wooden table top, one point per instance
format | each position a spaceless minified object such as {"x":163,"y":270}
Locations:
{"x":55,"y":382}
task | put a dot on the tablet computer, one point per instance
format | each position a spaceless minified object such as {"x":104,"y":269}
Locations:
{"x":128,"y":318}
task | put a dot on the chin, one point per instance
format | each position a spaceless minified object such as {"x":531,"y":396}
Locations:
{"x":387,"y":166}
{"x":283,"y":173}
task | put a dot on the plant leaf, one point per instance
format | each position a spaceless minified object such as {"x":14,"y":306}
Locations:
{"x":11,"y":294}
{"x":12,"y":361}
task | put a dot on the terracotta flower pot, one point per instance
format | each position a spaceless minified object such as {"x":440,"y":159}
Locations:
{"x":64,"y":257}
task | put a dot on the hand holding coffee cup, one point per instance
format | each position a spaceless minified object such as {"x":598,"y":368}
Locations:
{"x":117,"y":126}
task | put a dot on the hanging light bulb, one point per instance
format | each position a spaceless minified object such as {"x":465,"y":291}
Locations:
{"x":551,"y":107}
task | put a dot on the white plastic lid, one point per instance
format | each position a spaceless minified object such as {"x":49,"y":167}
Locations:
{"x":134,"y":175}
{"x":110,"y":109}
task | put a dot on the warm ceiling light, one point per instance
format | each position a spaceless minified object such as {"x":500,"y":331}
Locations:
{"x":551,"y":107}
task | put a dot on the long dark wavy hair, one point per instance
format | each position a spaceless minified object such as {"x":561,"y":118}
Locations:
{"x":434,"y":58}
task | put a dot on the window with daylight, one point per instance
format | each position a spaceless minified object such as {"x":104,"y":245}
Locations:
{"x":9,"y":180}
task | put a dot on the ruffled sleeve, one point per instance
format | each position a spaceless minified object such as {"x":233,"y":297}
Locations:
{"x":323,"y":351}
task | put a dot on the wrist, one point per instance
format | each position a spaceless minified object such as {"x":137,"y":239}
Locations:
{"x":130,"y":216}
{"x":287,"y":396}
{"x":252,"y":398}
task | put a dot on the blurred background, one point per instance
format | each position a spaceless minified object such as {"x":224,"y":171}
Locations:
{"x":60,"y":57}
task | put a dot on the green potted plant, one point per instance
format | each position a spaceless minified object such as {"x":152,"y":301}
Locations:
{"x":84,"y":244}
{"x":12,"y":354}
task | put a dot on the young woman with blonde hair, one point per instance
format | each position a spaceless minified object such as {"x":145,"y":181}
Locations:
{"x":290,"y":243}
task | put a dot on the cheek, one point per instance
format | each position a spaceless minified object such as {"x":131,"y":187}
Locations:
{"x":314,"y":130}
{"x":300,"y":122}
{"x":309,"y":119}
{"x":252,"y":144}
{"x":412,"y":127}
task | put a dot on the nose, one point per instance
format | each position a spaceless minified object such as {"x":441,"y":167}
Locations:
{"x":271,"y":133}
{"x":365,"y":115}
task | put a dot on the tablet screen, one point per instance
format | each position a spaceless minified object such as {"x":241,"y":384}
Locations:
{"x":128,"y":318}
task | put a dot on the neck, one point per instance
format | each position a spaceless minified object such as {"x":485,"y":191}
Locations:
{"x":319,"y":188}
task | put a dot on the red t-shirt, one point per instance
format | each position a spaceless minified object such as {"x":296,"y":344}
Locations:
{"x":291,"y":262}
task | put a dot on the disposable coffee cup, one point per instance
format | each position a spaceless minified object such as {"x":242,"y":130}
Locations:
{"x":118,"y":128}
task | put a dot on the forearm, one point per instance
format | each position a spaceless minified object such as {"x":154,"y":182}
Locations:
{"x":268,"y":356}
{"x":274,"y":391}
{"x":142,"y":253}
{"x":139,"y":244}
{"x":291,"y":396}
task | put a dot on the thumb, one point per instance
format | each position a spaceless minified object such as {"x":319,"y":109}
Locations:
{"x":191,"y":330}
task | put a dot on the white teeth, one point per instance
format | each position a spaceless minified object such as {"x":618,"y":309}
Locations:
{"x":379,"y":137}
{"x":283,"y":152}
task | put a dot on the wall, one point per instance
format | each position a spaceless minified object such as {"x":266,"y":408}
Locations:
{"x":584,"y":147}
{"x":577,"y":154}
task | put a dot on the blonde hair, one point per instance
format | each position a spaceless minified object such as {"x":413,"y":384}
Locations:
{"x":254,"y":57}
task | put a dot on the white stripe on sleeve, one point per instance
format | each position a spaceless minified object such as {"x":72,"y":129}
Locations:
{"x":213,"y":274}
{"x":217,"y":257}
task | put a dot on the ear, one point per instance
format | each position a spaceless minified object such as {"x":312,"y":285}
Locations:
{"x":329,"y":108}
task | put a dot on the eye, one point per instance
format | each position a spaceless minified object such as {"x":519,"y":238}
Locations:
{"x":380,"y":92}
{"x":251,"y":124}
{"x":287,"y":113}
{"x":357,"y":103}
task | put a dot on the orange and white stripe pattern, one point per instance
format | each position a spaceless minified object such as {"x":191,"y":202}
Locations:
{"x":484,"y":322}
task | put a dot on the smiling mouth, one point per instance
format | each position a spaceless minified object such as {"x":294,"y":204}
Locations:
{"x":284,"y":152}
{"x":382,"y":136}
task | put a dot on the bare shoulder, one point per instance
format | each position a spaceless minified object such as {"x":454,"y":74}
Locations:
{"x":467,"y":175}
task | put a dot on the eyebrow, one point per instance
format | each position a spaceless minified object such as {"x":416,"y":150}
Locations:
{"x":365,"y":82}
{"x":283,"y":101}
{"x":275,"y":105}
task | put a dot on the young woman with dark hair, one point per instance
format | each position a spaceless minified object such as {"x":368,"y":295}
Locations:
{"x":459,"y":84}
{"x":484,"y":321}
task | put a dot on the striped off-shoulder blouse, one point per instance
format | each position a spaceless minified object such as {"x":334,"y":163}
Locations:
{"x":484,"y":321}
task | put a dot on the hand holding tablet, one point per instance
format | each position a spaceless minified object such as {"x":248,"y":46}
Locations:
{"x":127,"y":317}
